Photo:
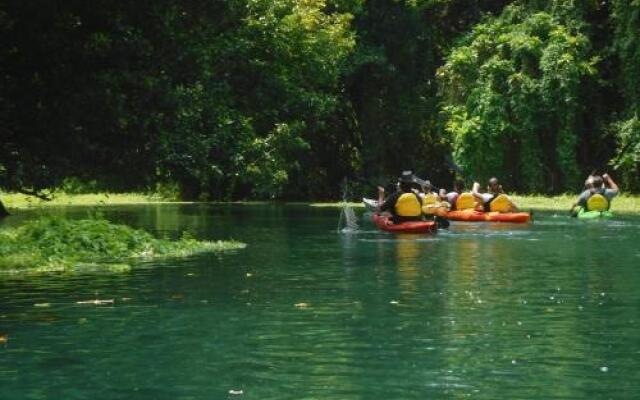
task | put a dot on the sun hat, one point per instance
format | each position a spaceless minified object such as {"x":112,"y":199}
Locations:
{"x":406,"y":177}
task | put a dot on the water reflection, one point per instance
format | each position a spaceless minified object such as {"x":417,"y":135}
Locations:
{"x":408,"y":253}
{"x":482,"y":311}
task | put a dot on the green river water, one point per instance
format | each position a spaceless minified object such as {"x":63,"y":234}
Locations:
{"x":549,"y":310}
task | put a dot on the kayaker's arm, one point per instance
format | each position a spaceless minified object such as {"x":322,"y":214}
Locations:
{"x":573,"y":207}
{"x":612,"y":185}
{"x":380,"y":196}
{"x":475,"y":191}
{"x":389,"y":203}
{"x":582,"y":200}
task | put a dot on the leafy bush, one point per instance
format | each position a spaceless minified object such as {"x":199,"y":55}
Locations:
{"x":511,"y":99}
{"x":627,"y":159}
{"x":58,"y":244}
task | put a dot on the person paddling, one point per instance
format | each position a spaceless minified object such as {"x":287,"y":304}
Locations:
{"x":597,"y":196}
{"x":404,"y":205}
{"x":434,"y":205}
{"x":494,"y":199}
{"x":452,"y":196}
{"x":426,"y":193}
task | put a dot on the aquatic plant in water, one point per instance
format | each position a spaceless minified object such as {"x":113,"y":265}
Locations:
{"x":58,"y":244}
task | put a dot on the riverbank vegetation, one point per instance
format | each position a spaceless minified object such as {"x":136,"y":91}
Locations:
{"x":282,"y":99}
{"x":23,"y":201}
{"x":53,"y":244}
{"x":626,"y":203}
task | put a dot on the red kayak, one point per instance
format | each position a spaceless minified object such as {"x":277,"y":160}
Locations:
{"x":384,"y":222}
{"x":480,"y":216}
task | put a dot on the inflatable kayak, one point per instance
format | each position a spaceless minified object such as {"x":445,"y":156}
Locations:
{"x":427,"y":209}
{"x":481,"y":216}
{"x":466,"y":211}
{"x":582,"y":214}
{"x":598,"y":207}
{"x":383,"y":222}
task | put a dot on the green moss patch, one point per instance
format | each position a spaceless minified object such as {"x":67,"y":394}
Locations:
{"x":58,"y":244}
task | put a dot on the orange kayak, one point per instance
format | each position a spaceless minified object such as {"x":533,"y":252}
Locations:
{"x":480,"y":216}
{"x":384,"y":222}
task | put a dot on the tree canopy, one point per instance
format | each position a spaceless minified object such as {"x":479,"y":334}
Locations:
{"x":284,"y":98}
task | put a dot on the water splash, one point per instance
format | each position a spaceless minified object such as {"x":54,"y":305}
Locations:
{"x":347,"y":215}
{"x":350,"y":219}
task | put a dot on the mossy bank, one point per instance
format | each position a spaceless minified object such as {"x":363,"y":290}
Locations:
{"x":52,"y":244}
{"x":19,"y":201}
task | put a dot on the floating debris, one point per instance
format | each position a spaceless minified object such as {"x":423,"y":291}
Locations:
{"x":394,"y":302}
{"x":235,"y":392}
{"x":301,"y":305}
{"x":43,"y":305}
{"x":249,"y":275}
{"x":4,"y":338}
{"x":96,"y":302}
{"x":604,"y":369}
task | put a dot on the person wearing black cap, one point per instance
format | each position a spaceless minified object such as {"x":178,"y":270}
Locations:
{"x":405,"y":204}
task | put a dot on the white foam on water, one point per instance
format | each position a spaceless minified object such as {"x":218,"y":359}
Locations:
{"x":347,"y":215}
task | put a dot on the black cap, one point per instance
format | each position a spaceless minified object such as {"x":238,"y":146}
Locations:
{"x":406,"y":177}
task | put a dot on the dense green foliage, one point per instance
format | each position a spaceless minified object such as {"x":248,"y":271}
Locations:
{"x":58,"y":244}
{"x":513,"y":99}
{"x":626,"y":16}
{"x":282,"y":98}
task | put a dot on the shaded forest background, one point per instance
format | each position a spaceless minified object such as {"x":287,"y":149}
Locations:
{"x":263,"y":99}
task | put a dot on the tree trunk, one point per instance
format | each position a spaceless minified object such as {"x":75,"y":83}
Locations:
{"x":3,"y":211}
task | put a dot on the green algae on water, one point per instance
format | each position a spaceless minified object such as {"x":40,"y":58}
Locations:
{"x":58,"y":244}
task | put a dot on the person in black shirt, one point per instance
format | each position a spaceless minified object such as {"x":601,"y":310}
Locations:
{"x":404,"y":204}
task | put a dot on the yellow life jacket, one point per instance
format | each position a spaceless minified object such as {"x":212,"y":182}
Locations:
{"x":597,"y":202}
{"x":408,"y":205}
{"x":429,"y":199}
{"x":429,"y":203}
{"x":465,"y":201}
{"x":500,"y":204}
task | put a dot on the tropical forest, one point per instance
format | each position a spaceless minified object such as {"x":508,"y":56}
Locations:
{"x":319,"y":199}
{"x":284,"y":99}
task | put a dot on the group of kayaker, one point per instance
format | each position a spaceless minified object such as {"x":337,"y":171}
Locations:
{"x":415,"y":199}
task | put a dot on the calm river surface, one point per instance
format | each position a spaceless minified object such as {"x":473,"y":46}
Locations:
{"x":549,"y":310}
